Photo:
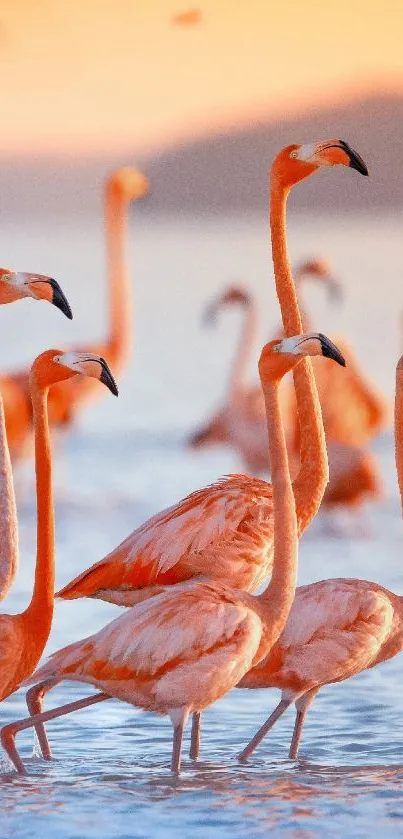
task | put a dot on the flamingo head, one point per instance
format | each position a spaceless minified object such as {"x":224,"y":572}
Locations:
{"x":232,"y":294}
{"x":279,"y":357}
{"x":128,"y":183}
{"x":296,"y":162}
{"x":16,"y":285}
{"x":56,"y":366}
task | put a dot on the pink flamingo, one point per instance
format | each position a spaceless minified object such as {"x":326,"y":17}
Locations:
{"x":179,"y":652}
{"x":336,"y":629}
{"x":23,"y":636}
{"x":16,"y":286}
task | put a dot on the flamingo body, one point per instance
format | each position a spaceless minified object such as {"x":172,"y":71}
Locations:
{"x":183,"y":647}
{"x":224,"y":532}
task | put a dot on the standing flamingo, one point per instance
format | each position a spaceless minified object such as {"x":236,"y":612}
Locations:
{"x":15,"y":286}
{"x":122,"y":186}
{"x":183,"y":541}
{"x":336,"y":629}
{"x":23,"y":636}
{"x":179,"y":652}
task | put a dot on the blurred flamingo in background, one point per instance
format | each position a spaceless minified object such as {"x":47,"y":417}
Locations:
{"x":183,"y":541}
{"x":179,"y":652}
{"x":16,"y":286}
{"x":336,"y":629}
{"x":353,"y":411}
{"x":241,"y":422}
{"x":23,"y":636}
{"x":122,"y":186}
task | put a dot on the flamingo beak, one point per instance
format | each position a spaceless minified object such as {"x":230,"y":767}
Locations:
{"x":45,"y":288}
{"x":336,"y":152}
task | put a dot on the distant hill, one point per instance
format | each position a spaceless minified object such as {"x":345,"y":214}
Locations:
{"x":227,"y":172}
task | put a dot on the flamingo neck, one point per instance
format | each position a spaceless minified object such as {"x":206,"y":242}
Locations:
{"x":8,"y":515}
{"x":243,"y":353}
{"x":40,"y":609}
{"x":399,"y":428}
{"x":313,"y":476}
{"x":120,"y":322}
{"x":277,"y":599}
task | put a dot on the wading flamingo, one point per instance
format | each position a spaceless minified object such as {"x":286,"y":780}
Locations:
{"x":65,"y":400}
{"x":336,"y":629}
{"x":15,"y":286}
{"x":241,"y":422}
{"x":23,"y":636}
{"x":14,"y":387}
{"x":183,"y":541}
{"x":179,"y":652}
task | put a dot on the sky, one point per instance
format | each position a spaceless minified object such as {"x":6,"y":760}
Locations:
{"x":88,"y":76}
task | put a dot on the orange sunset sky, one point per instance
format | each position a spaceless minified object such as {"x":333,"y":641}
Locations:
{"x":96,"y":75}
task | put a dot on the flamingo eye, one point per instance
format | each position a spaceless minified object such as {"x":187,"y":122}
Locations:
{"x":6,"y":278}
{"x":294,"y":154}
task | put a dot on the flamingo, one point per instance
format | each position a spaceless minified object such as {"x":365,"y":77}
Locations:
{"x":122,"y":186}
{"x":180,"y":651}
{"x":15,"y":286}
{"x":236,"y":512}
{"x":354,"y":472}
{"x":336,"y":629}
{"x":23,"y":636}
{"x":241,"y":421}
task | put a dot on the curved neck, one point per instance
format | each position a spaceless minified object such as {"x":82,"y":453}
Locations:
{"x":243,"y":352}
{"x":8,"y":515}
{"x":277,"y":599}
{"x":40,"y":609}
{"x":120,"y":325}
{"x":313,"y":475}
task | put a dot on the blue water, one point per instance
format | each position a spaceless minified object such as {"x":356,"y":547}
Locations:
{"x":125,"y":460}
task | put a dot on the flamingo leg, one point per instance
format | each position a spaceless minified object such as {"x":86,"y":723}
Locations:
{"x":34,"y":700}
{"x":274,"y":716}
{"x":302,"y":705}
{"x":8,"y":732}
{"x":195,"y":736}
{"x":178,"y":718}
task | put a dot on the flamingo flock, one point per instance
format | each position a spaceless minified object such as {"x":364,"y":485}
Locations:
{"x":193,"y":626}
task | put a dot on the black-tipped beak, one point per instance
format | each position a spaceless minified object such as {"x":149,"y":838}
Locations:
{"x":356,"y":162}
{"x":59,"y":300}
{"x":329,"y":350}
{"x":107,"y":379}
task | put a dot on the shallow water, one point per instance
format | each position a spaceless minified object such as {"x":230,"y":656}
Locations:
{"x":124,"y":461}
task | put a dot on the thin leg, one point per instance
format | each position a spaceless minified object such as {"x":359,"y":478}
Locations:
{"x":195,"y":736}
{"x":34,"y":700}
{"x":277,"y":713}
{"x":302,"y":705}
{"x":9,"y":732}
{"x":178,"y":718}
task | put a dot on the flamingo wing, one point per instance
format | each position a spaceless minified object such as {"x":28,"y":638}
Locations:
{"x":191,"y":641}
{"x":223,"y":531}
